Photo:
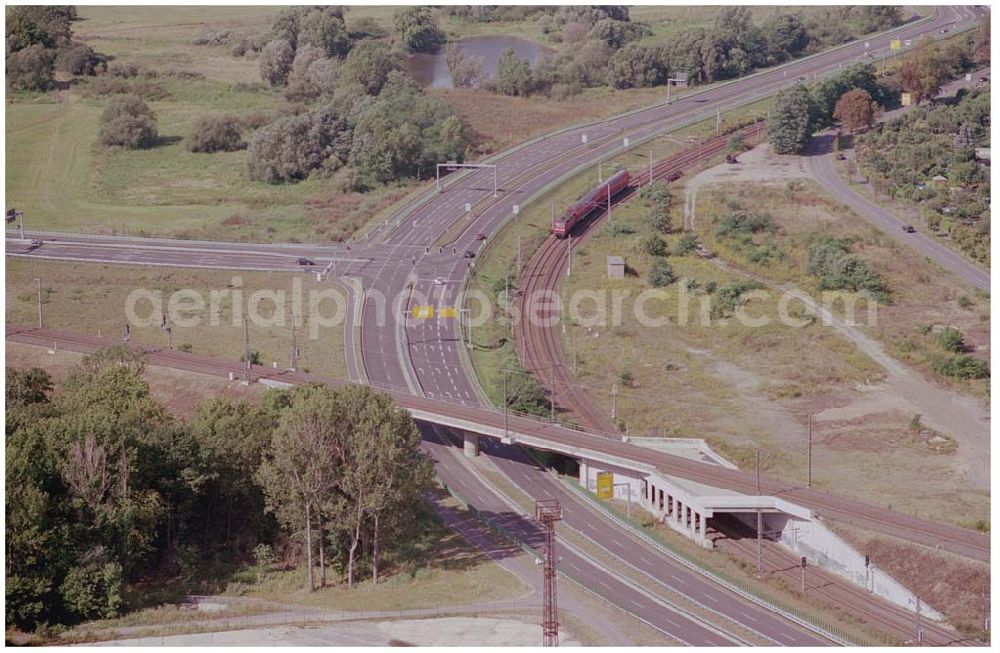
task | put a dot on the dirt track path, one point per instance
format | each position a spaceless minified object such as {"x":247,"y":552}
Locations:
{"x":966,"y":419}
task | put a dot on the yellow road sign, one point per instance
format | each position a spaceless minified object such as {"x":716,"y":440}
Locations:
{"x":605,"y":485}
{"x":423,"y":312}
{"x":447,"y":311}
{"x":896,"y":44}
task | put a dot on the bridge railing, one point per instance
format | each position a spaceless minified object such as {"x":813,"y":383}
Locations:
{"x":749,"y":590}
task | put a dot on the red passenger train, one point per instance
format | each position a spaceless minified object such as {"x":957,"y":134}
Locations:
{"x":598,"y":196}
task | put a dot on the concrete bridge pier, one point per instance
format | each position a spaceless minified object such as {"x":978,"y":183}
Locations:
{"x":470,"y":445}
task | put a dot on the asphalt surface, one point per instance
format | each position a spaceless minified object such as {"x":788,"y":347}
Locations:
{"x":402,"y":260}
{"x":821,"y":165}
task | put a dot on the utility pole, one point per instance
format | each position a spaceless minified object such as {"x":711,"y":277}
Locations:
{"x":760,"y":523}
{"x":552,"y":213}
{"x":569,"y":255}
{"x":614,"y":400}
{"x":246,"y":351}
{"x":651,"y":166}
{"x":718,"y":120}
{"x":920,"y":628}
{"x":574,"y":349}
{"x":126,"y":334}
{"x":38,"y":280}
{"x":165,"y":325}
{"x":295,"y":347}
{"x":552,"y":394}
{"x":548,"y":512}
{"x":809,"y":473}
{"x":868,"y":565}
{"x":802,"y":564}
{"x":600,"y":172}
{"x":519,"y":253}
{"x":609,"y":200}
{"x":506,"y":430}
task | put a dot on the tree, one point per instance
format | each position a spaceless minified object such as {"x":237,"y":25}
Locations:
{"x":300,"y":470}
{"x":789,"y":128}
{"x":24,"y":387}
{"x":785,"y":36}
{"x":513,"y":74}
{"x":80,"y":59}
{"x":878,"y":18}
{"x":46,"y":25}
{"x":276,"y":62}
{"x":417,"y":29}
{"x":635,"y":66}
{"x":291,"y":148}
{"x":981,"y":43}
{"x":216,"y":134}
{"x":368,"y":66}
{"x":30,"y":69}
{"x":465,"y":71}
{"x":324,"y":28}
{"x":856,"y":110}
{"x":924,"y":71}
{"x":129,"y":123}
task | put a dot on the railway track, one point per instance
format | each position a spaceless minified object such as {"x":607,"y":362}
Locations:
{"x":541,"y":352}
{"x":740,"y":541}
{"x":951,"y":538}
{"x":538,"y":346}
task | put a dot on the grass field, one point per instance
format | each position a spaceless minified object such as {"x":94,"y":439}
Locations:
{"x":92,"y":299}
{"x":744,"y":387}
{"x":493,"y":345}
{"x":62,"y":181}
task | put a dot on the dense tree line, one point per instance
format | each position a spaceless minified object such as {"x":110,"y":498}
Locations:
{"x":105,"y":489}
{"x":369,"y":116}
{"x":608,"y":48}
{"x":39,"y":39}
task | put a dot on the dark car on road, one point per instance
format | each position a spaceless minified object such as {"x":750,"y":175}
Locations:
{"x":908,"y":228}
{"x":480,"y":236}
{"x":304,"y":261}
{"x":469,"y":254}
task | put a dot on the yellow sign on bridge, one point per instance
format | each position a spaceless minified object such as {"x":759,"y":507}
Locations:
{"x":605,"y":485}
{"x":447,"y":311}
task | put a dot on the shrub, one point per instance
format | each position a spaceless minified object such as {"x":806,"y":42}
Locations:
{"x":731,"y":295}
{"x":740,"y":222}
{"x":324,"y":29}
{"x":94,"y":591}
{"x":962,"y":366}
{"x":417,"y":29}
{"x":836,"y":269}
{"x":108,"y":85}
{"x":661,"y":274}
{"x":216,"y":134}
{"x":80,"y":59}
{"x":276,"y":62}
{"x":129,"y":123}
{"x":654,"y":245}
{"x":291,"y":148}
{"x":513,"y":74}
{"x":30,"y":69}
{"x":368,"y":67}
{"x":951,"y":339}
{"x":687,"y":244}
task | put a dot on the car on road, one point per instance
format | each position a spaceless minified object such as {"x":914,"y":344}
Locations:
{"x":480,"y":236}
{"x":304,"y":261}
{"x":34,"y":244}
{"x":438,"y":281}
{"x":469,"y":254}
{"x":908,"y":228}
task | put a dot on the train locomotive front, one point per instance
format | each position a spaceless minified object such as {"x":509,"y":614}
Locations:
{"x":597,"y":196}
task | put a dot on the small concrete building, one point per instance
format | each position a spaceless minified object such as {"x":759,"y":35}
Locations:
{"x":616,"y":267}
{"x":938,"y":181}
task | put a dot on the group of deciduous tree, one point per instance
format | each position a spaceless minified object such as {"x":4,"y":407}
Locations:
{"x":105,"y":489}
{"x":39,"y":39}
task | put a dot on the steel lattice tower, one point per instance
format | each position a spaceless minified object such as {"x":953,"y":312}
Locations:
{"x":549,"y":512}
